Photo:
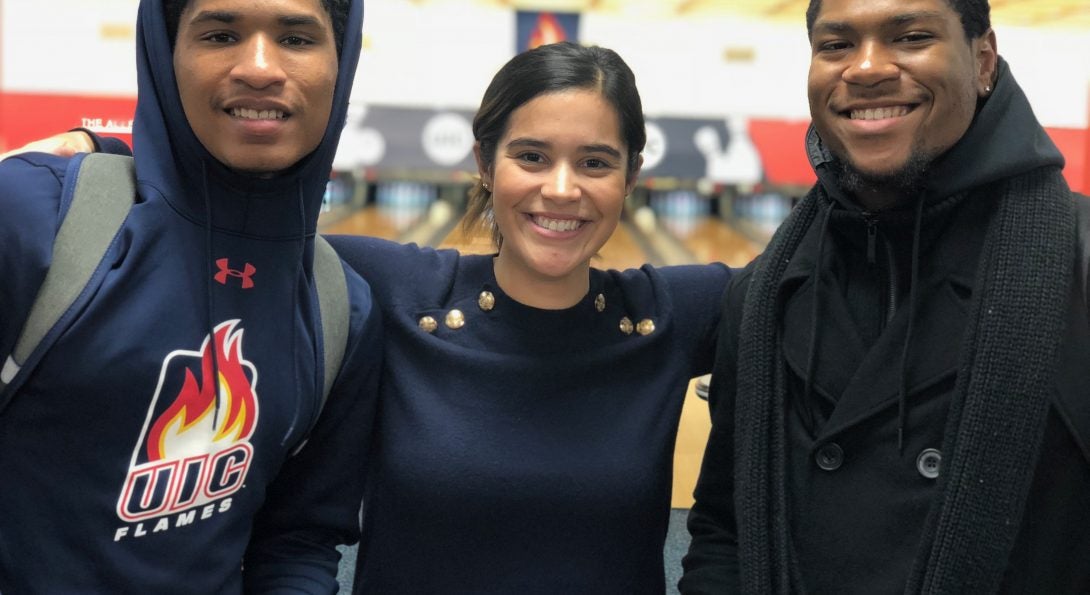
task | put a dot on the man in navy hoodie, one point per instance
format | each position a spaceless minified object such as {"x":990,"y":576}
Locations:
{"x":173,"y":439}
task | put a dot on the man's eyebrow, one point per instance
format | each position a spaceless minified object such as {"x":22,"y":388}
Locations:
{"x":898,"y":20}
{"x":832,"y":27}
{"x":299,"y":20}
{"x":219,"y":16}
{"x":225,"y":16}
{"x":919,"y":15}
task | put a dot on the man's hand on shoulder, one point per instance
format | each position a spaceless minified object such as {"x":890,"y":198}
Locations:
{"x":65,"y":144}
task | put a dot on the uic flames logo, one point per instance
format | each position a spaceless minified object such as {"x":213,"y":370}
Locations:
{"x":195,"y":445}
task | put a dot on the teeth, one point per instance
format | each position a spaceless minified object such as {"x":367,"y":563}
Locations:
{"x":252,"y":114}
{"x":558,"y":224}
{"x":880,"y":113}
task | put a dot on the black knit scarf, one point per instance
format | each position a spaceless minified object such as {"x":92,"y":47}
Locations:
{"x":996,"y":420}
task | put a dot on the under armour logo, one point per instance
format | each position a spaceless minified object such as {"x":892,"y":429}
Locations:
{"x":246,"y":274}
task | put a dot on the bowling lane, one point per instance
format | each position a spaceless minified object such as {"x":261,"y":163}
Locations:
{"x":395,"y":208}
{"x":711,"y":239}
{"x":622,"y":251}
{"x":692,"y":436}
{"x":370,"y":221}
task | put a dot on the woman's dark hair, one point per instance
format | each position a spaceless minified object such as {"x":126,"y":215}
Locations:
{"x":337,"y":9}
{"x":549,"y":69}
{"x":975,"y":16}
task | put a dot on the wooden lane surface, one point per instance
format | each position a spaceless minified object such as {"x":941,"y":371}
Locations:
{"x":370,"y":221}
{"x":692,"y":436}
{"x":714,"y":240}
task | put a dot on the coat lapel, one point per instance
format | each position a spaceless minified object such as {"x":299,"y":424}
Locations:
{"x":862,"y":382}
{"x":876,"y":383}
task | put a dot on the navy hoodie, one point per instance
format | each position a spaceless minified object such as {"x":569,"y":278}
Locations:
{"x":122,"y":470}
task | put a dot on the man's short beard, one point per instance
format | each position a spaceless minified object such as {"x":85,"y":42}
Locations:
{"x":905,"y":182}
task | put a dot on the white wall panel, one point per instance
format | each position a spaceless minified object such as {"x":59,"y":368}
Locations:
{"x":442,"y":55}
{"x":432,"y":55}
{"x":1053,"y":67}
{"x":68,"y":46}
{"x":682,"y":69}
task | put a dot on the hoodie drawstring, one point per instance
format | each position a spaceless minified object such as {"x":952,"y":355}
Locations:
{"x":209,"y":300}
{"x":913,"y":298}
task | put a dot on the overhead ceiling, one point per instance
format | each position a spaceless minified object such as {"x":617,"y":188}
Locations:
{"x":1033,"y":13}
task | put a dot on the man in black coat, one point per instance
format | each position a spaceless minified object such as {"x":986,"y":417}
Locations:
{"x":900,"y":398}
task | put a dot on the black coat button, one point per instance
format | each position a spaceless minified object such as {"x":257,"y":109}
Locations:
{"x":829,"y":457}
{"x":929,"y":463}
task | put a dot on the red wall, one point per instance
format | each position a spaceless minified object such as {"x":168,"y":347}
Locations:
{"x":26,"y":117}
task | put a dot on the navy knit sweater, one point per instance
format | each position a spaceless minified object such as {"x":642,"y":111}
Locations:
{"x":528,"y":451}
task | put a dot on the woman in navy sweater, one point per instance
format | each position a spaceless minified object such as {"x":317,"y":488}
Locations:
{"x":529,"y":401}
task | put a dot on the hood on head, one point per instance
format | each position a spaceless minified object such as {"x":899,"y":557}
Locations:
{"x":1004,"y":139}
{"x":171,"y":160}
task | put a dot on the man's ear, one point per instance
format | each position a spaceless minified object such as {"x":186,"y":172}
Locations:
{"x":986,"y":54}
{"x":633,"y":177}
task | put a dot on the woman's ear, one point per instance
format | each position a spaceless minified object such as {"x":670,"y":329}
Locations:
{"x":633,"y":177}
{"x":482,"y":167}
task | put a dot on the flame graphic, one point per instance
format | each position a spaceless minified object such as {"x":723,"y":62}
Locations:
{"x":548,"y":30}
{"x":191,"y":425}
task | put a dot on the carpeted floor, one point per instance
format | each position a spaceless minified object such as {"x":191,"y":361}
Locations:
{"x":677,"y":543}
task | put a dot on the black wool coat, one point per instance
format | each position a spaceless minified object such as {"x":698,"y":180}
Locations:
{"x":858,"y":503}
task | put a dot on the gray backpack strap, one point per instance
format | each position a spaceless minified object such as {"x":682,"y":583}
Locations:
{"x":103,"y":195}
{"x":333,"y":308}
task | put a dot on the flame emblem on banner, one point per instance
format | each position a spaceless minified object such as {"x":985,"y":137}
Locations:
{"x":548,"y":30}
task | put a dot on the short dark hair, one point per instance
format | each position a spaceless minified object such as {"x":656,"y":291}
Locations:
{"x":337,"y":10}
{"x":549,"y":69}
{"x":975,"y":16}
